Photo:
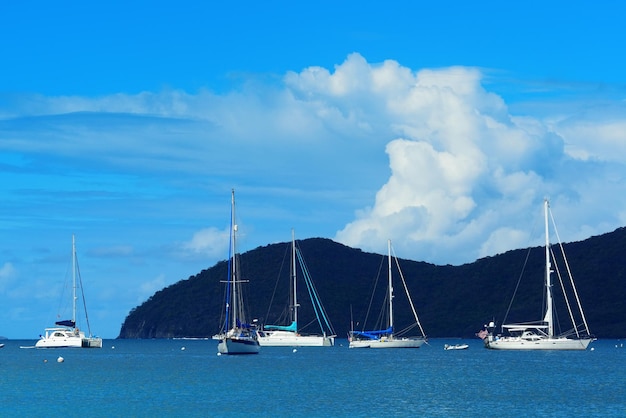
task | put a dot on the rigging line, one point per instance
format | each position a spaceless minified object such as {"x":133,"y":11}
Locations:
{"x":282,"y":264}
{"x":406,"y":290}
{"x":317,"y":304}
{"x":307,"y":324}
{"x":555,"y":314}
{"x":407,"y":329}
{"x":372,"y":292}
{"x":223,"y":313}
{"x":519,"y":280}
{"x":315,"y":307}
{"x":571,"y":277}
{"x":317,"y":301}
{"x":308,"y":287}
{"x":245,"y":305}
{"x":383,"y":316}
{"x":558,"y":274}
{"x":62,"y":307}
{"x":230,"y":265}
{"x":82,"y":292}
{"x":309,"y":281}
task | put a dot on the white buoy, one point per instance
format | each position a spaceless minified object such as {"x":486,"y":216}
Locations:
{"x":295,"y":351}
{"x":219,"y":354}
{"x":60,"y":359}
{"x":182,"y":348}
{"x":112,"y":347}
{"x":593,"y":348}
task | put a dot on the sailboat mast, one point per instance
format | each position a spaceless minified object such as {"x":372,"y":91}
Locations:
{"x":293,"y":276}
{"x":390,"y":285}
{"x":548,"y":318}
{"x":233,"y":278}
{"x":74,"y":280}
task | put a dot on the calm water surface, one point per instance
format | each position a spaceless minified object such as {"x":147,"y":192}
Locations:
{"x":141,"y":378}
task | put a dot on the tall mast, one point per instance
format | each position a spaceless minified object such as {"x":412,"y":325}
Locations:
{"x":548,"y":318}
{"x":293,"y":277}
{"x":234,"y":311}
{"x":390,"y":285}
{"x":74,"y":280}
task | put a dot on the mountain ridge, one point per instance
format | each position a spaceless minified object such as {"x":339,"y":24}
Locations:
{"x":452,"y":301}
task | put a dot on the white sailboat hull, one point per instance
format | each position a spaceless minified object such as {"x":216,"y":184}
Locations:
{"x":288,"y":335}
{"x":67,"y":334}
{"x":241,"y":338}
{"x":234,"y":345}
{"x":519,"y":343}
{"x":67,"y":338}
{"x":540,"y":335}
{"x":386,"y":338}
{"x":293,"y":339}
{"x":388,"y":343}
{"x":59,"y":342}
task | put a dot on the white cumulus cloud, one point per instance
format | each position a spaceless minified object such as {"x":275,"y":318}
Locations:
{"x":464,"y":173}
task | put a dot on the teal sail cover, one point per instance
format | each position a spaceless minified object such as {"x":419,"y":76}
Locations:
{"x":293,"y":327}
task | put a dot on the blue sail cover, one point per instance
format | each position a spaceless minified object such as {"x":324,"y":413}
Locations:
{"x":293,"y":327}
{"x":243,"y":324}
{"x":66,"y":323}
{"x":373,"y":335}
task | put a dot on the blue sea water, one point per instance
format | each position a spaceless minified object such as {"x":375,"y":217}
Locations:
{"x":186,"y":378}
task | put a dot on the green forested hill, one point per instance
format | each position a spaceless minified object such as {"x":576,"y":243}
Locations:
{"x":452,"y":301}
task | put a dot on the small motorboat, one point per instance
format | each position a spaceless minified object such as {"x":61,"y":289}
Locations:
{"x":455,"y":347}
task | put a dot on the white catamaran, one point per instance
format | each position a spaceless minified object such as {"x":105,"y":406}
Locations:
{"x":67,"y":334}
{"x":541,"y":335}
{"x":389,"y":338}
{"x":289,"y":335}
{"x":237,"y":336}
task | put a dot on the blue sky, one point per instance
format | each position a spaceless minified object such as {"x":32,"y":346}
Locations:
{"x":441,"y":126}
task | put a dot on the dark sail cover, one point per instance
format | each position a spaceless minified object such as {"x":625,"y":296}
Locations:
{"x":66,"y":323}
{"x":373,"y":335}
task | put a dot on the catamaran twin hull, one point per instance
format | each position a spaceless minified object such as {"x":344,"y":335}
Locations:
{"x":518,"y":343}
{"x":388,"y":343}
{"x":64,"y":341}
{"x":67,"y":334}
{"x":67,"y":338}
{"x":92,"y":342}
{"x":70,"y":343}
{"x":292,"y":339}
{"x":231,"y":345}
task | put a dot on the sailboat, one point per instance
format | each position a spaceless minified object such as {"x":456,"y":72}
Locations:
{"x":66,"y":333}
{"x":289,"y":335}
{"x":541,"y":335}
{"x":237,"y":336}
{"x":388,"y":337}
